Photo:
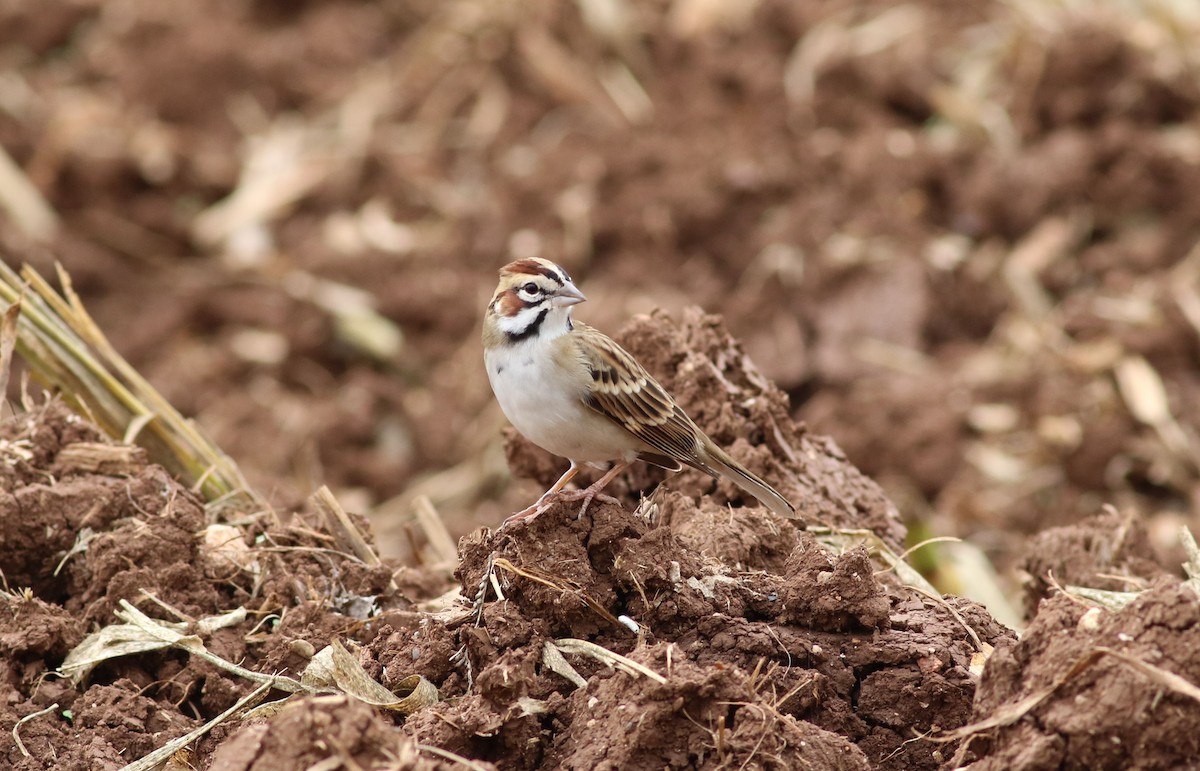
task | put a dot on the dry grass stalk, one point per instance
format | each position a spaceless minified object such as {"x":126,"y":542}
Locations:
{"x":605,"y":656}
{"x":431,"y":523}
{"x":334,"y":668}
{"x":342,"y":528}
{"x":67,"y":351}
{"x":160,"y":756}
{"x":1104,"y":598}
{"x":16,"y":731}
{"x":553,"y":659}
{"x":95,"y":457}
{"x":349,"y":538}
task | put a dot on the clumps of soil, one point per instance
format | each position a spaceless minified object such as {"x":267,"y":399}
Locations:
{"x":796,"y":667}
{"x":692,"y":629}
{"x":77,"y":536}
{"x":702,"y":717}
{"x":822,"y":592}
{"x":1109,"y":551}
{"x":687,"y":629}
{"x":302,"y":735}
{"x":1108,"y":682}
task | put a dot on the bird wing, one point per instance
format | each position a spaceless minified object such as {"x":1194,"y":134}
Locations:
{"x":625,"y":393}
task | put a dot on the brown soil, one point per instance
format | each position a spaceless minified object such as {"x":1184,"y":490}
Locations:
{"x":945,"y":230}
{"x":765,"y":649}
{"x":770,"y":651}
{"x":1104,"y":711}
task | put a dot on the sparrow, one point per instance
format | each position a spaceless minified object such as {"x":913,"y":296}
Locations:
{"x":574,"y":392}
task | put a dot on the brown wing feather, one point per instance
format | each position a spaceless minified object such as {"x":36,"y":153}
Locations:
{"x":625,"y":393}
{"x":622,"y":391}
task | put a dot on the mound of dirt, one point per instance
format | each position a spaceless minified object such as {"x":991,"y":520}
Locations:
{"x":698,"y":631}
{"x":683,"y":629}
{"x":1087,"y":688}
{"x":806,"y":660}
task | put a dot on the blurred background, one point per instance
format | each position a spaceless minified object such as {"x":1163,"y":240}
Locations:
{"x":961,"y":236}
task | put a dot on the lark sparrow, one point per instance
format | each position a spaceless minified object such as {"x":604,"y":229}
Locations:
{"x":574,"y":392}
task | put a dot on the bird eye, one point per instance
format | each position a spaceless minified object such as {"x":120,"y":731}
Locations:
{"x":530,"y":288}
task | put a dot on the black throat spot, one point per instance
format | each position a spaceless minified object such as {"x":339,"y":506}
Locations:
{"x":529,"y":331}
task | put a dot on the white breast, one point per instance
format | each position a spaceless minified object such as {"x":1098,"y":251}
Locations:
{"x":543,"y":404}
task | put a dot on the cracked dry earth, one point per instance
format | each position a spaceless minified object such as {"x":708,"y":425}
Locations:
{"x":756,"y":645}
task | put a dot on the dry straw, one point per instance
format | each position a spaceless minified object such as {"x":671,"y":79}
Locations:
{"x":69,"y":354}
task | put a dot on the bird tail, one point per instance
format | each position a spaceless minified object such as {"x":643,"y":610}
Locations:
{"x":724,"y":464}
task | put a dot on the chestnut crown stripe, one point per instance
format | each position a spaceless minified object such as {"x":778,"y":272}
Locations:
{"x":534,"y":268}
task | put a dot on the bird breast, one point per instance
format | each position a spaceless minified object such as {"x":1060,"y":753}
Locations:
{"x":543,"y":400}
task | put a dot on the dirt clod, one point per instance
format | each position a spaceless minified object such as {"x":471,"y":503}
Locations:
{"x":1101,"y":711}
{"x":1108,"y":551}
{"x":839,"y":594}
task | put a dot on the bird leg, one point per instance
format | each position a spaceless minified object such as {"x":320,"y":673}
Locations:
{"x":588,"y":494}
{"x":540,"y":504}
{"x":592,"y":491}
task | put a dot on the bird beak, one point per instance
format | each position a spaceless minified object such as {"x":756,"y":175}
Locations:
{"x":567,"y":296}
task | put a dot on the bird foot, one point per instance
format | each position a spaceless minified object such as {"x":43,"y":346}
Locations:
{"x":526,"y":514}
{"x":587,"y":495}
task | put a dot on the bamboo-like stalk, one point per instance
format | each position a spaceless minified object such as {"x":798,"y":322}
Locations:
{"x":67,"y":352}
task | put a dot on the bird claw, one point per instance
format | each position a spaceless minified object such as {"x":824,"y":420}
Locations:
{"x":587,"y":495}
{"x":527,"y":514}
